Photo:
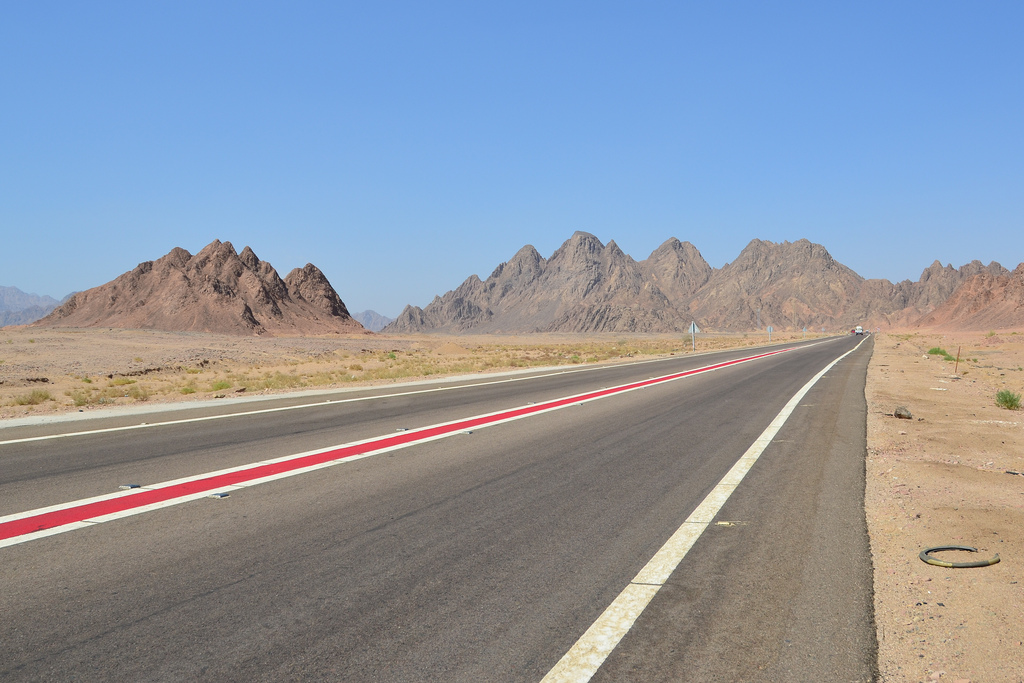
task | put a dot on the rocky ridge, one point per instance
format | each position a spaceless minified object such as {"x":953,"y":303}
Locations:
{"x":587,"y":286}
{"x":216,"y":290}
{"x":984,"y":301}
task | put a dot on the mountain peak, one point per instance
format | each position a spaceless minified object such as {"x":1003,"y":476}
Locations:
{"x":217,"y":290}
{"x":311,"y":285}
{"x":249,"y":258}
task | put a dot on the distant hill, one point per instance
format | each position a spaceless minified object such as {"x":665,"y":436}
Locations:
{"x":217,"y":290}
{"x":20,"y":308}
{"x":372,"y":320}
{"x":587,"y":286}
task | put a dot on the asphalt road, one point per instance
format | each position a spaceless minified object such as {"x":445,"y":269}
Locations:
{"x":478,"y":557}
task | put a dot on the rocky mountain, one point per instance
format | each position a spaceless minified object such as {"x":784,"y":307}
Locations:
{"x":938,"y":282}
{"x":786,"y":285}
{"x":983,"y":301}
{"x":216,"y":290}
{"x":677,"y":269}
{"x":587,"y":286}
{"x":372,"y":320}
{"x":20,"y":308}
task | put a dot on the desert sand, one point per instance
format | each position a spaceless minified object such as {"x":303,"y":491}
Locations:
{"x":947,"y":476}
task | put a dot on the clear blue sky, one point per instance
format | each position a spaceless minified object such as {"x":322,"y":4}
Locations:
{"x":402,"y":146}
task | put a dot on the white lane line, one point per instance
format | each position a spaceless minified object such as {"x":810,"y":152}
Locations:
{"x":376,"y":397}
{"x":586,"y":656}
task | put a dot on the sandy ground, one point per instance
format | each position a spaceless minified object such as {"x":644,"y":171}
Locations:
{"x":948,"y":476}
{"x":944,"y":477}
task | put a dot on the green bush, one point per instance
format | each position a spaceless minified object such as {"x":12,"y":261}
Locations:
{"x":936,"y":351}
{"x":1007,"y":399}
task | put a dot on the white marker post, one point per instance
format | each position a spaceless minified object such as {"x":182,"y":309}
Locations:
{"x":693,"y":331}
{"x":770,"y":334}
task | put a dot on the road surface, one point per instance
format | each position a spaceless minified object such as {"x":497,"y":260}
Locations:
{"x":481,"y":553}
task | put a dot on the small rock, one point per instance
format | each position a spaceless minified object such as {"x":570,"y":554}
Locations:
{"x":903,"y":413}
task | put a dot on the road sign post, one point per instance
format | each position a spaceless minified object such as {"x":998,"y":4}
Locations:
{"x":693,"y":332}
{"x":770,"y":334}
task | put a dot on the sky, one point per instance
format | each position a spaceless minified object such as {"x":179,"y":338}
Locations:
{"x":404,"y":146}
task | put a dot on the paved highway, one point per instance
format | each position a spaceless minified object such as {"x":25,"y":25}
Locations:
{"x":464,"y":553}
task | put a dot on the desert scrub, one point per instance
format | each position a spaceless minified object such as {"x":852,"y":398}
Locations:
{"x":936,"y":351}
{"x":1008,"y":399}
{"x":138,"y":392}
{"x":220,"y":385}
{"x":188,"y":389}
{"x":34,"y":398}
{"x":78,"y":397}
{"x":120,"y":382}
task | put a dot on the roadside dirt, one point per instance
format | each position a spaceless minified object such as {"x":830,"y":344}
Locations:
{"x":948,"y":476}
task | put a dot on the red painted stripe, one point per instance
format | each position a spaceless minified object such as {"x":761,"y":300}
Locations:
{"x":122,"y":503}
